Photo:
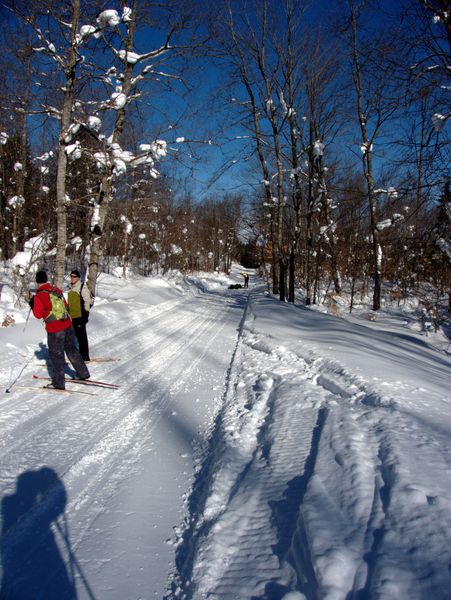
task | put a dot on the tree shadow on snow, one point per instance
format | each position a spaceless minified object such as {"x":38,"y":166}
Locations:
{"x":33,"y":522}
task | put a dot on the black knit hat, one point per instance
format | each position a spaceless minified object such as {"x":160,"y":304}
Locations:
{"x":41,"y":277}
{"x":76,"y":273}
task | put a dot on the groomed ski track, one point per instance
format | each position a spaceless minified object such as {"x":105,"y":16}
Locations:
{"x":236,"y":497}
{"x":98,"y":446}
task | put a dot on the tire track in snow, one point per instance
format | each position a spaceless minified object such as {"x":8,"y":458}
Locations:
{"x":257,"y":448}
{"x":296,"y":487}
{"x":366,"y":463}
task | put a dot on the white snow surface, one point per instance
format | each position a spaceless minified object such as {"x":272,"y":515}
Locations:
{"x":255,"y":450}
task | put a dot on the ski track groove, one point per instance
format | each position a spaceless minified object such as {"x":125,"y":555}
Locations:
{"x":167,"y":351}
{"x":164,"y":396}
{"x":111,"y":472}
{"x":160,"y":342}
{"x":123,"y":430}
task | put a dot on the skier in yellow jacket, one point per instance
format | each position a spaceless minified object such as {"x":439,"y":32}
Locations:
{"x":79,"y":300}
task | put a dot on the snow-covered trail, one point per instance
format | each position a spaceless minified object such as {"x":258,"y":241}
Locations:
{"x":318,"y":484}
{"x":125,"y":457}
{"x":255,"y":451}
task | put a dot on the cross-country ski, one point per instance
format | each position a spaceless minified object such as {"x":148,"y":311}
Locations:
{"x":103,"y":359}
{"x":100,"y":359}
{"x":44,"y":388}
{"x":89,"y":381}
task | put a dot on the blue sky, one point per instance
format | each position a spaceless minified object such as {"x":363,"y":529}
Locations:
{"x":190,"y":112}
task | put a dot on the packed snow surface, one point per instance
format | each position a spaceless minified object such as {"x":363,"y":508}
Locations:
{"x":255,"y":450}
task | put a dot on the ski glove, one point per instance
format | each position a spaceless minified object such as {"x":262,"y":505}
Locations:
{"x":31,"y":302}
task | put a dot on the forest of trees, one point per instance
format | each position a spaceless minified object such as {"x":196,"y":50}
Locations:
{"x":332,"y":122}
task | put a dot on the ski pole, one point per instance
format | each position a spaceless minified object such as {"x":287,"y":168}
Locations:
{"x":28,"y":361}
{"x":74,"y":562}
{"x":18,"y":377}
{"x":67,"y":542}
{"x":26,"y":320}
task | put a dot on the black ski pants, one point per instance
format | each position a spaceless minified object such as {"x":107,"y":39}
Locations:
{"x":79,"y":324}
{"x":59,"y":343}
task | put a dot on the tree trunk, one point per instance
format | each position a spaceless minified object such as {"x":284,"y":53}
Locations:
{"x":61,"y":208}
{"x":291,"y":278}
{"x":282,"y":280}
{"x":106,"y":191}
{"x":367,"y":162}
{"x":22,"y":174}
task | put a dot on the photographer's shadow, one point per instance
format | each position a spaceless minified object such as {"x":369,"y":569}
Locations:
{"x":32,"y":564}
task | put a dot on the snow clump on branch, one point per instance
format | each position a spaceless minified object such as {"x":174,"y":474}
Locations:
{"x":366,"y":147}
{"x":118,"y":100}
{"x":391,"y":192}
{"x":318,"y":149}
{"x":16,"y":201}
{"x":94,"y":124}
{"x":445,"y":247}
{"x":45,"y":156}
{"x":108,"y":18}
{"x":159,"y":148}
{"x":439,"y":121}
{"x":131,"y":57}
{"x":86,"y":31}
{"x":71,"y":132}
{"x":117,"y":159}
{"x":111,"y":18}
{"x":127,"y":225}
{"x":126,"y":14}
{"x":74,"y":151}
{"x":389,"y":222}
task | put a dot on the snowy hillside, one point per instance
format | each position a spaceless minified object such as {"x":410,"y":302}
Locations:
{"x":254,"y":451}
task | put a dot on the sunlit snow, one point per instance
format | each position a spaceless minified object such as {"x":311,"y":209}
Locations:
{"x":255,"y":450}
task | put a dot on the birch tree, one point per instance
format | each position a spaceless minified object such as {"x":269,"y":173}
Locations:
{"x":84,"y":51}
{"x":58,"y":43}
{"x":249,"y":40}
{"x":375,"y":105}
{"x":134,"y":68}
{"x":236,"y":47}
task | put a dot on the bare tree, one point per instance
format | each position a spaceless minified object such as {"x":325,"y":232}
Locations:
{"x":56,"y":31}
{"x":133,"y":71}
{"x":235,"y":43}
{"x":376,"y":104}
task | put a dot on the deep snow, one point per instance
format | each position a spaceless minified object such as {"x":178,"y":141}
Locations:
{"x":255,"y":450}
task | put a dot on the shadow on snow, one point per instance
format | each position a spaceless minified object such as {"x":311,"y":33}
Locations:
{"x":34,"y":526}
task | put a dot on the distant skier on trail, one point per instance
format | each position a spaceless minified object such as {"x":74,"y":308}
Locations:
{"x":246,"y":279}
{"x":49,"y":304}
{"x":79,"y":300}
